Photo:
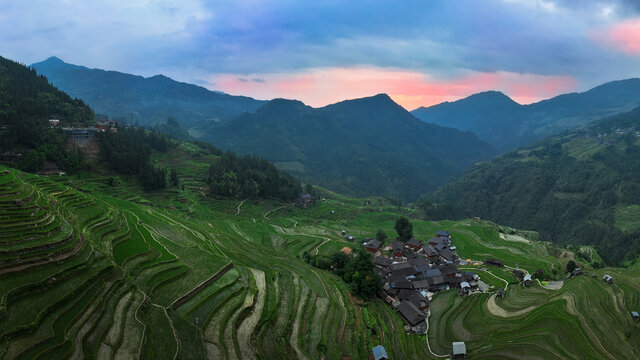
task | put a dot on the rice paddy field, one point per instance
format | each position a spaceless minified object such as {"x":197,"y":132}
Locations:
{"x":93,"y":271}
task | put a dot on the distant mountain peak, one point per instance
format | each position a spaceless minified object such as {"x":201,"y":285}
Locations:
{"x":54,"y":59}
{"x":381,"y":100}
{"x":280,"y":104}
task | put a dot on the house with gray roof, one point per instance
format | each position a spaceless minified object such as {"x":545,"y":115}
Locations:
{"x":459,"y":350}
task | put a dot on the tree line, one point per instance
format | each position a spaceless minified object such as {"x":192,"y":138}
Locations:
{"x":251,"y":177}
{"x":128,"y":152}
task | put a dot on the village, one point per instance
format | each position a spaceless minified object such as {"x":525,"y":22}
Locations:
{"x":414,"y":271}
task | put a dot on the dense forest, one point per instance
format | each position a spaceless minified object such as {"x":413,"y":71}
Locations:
{"x":27,"y":102}
{"x":576,"y":188}
{"x":357,"y":270}
{"x":250,"y":177}
{"x":128,"y":152}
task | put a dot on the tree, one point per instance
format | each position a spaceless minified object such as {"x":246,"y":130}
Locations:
{"x":571,"y":265}
{"x":404,"y":229}
{"x":308,"y":188}
{"x":173,"y":177}
{"x":381,"y":236}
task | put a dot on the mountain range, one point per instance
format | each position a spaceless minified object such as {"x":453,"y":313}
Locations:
{"x":363,"y":146}
{"x":507,"y":125}
{"x":357,"y":147}
{"x":148,"y":101}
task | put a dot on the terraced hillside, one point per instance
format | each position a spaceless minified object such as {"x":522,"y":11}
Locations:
{"x":92,"y":271}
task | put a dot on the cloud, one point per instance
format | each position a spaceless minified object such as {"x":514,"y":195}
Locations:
{"x":257,"y":80}
{"x":323,"y":86}
{"x":197,"y":40}
{"x":623,"y":36}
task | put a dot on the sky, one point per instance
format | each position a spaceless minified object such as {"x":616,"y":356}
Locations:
{"x":320,"y":52}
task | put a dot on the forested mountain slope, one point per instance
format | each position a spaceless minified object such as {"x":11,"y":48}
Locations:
{"x":359,"y":147}
{"x":580,"y":187}
{"x":27,"y":102}
{"x":148,"y":100}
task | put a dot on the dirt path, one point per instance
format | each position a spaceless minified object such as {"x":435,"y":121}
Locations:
{"x":506,"y":283}
{"x":296,"y":324}
{"x":274,"y":209}
{"x":249,"y":324}
{"x":496,"y":310}
{"x":239,"y":205}
{"x":426,"y":333}
{"x":318,"y":247}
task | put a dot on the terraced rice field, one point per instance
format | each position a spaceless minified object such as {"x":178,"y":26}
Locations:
{"x":110,"y":274}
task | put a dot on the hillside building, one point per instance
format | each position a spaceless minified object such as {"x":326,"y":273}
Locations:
{"x":379,"y":353}
{"x":459,"y":350}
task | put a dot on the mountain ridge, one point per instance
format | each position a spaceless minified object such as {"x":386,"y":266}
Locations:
{"x":508,"y":125}
{"x":576,"y":187}
{"x":150,"y":100}
{"x":361,"y":146}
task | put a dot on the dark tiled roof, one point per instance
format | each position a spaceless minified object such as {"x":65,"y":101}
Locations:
{"x":449,"y":269}
{"x":402,"y":285}
{"x":421,"y":284}
{"x":382,"y":261}
{"x":436,"y":240}
{"x":422,"y":269}
{"x":433,"y":272}
{"x":372,"y":244}
{"x":431,"y":251}
{"x":418,"y":260}
{"x":411,"y":313}
{"x":402,"y":265}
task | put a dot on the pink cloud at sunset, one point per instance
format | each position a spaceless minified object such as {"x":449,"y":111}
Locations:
{"x":624,"y":36}
{"x":320,"y":87}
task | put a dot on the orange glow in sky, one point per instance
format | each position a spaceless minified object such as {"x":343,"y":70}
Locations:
{"x":320,"y":87}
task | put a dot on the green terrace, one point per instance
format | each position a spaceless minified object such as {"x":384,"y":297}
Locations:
{"x":90,"y":270}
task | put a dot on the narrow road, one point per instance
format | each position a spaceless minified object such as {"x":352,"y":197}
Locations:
{"x":426,"y":336}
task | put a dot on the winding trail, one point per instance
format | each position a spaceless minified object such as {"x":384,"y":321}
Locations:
{"x":426,"y":336}
{"x":496,"y":310}
{"x":239,"y":205}
{"x":490,"y":273}
{"x":318,"y":247}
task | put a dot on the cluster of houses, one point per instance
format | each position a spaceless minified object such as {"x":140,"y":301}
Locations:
{"x":414,"y":270}
{"x":83,"y":135}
